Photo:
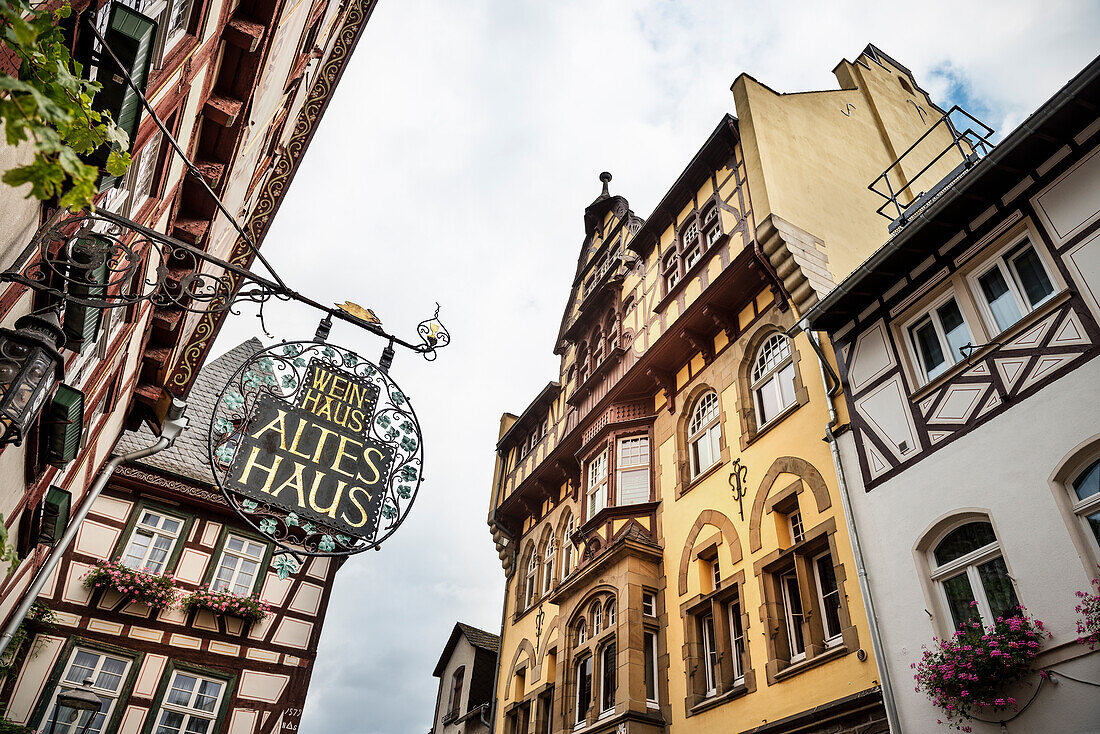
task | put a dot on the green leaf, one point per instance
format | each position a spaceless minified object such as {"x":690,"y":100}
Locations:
{"x":327,"y":545}
{"x":117,"y":163}
{"x":284,"y":566}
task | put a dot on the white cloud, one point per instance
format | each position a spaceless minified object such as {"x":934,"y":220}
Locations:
{"x":454,"y":164}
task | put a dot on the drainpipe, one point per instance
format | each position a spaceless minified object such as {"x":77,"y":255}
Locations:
{"x":174,"y":424}
{"x":827,"y":376}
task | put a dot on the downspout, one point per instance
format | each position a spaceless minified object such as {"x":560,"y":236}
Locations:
{"x":174,"y":424}
{"x":827,"y":377}
{"x":504,"y":604}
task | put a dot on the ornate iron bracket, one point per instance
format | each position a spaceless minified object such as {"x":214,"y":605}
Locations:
{"x":738,"y":477}
{"x":102,"y":260}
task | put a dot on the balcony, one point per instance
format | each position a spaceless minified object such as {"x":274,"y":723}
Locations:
{"x":946,"y":151}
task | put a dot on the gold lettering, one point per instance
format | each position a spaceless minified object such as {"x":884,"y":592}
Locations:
{"x":357,"y":394}
{"x":338,"y":418}
{"x":362,"y":512}
{"x":295,"y":482}
{"x":339,"y":388}
{"x":331,"y":509}
{"x":325,"y":410}
{"x":310,"y":400}
{"x":269,"y":470}
{"x":278,"y":425}
{"x":321,"y":379}
{"x":355,"y":420}
{"x":297,"y":436}
{"x":374,"y":467}
{"x":325,"y":433}
{"x":341,"y":454}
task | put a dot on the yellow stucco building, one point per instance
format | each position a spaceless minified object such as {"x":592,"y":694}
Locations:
{"x":666,"y":511}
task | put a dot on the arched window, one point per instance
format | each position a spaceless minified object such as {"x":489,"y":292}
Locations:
{"x":704,"y":432}
{"x":610,"y":614}
{"x":548,"y":557}
{"x":597,"y":344}
{"x":611,"y":333}
{"x":971,"y":574}
{"x":712,"y":225}
{"x":607,"y":678}
{"x":597,"y":618}
{"x":670,"y":270}
{"x":1087,"y":503}
{"x":456,"y":691}
{"x":529,"y":583}
{"x":582,"y":632}
{"x":567,"y":548}
{"x":582,"y":363}
{"x":773,"y":377}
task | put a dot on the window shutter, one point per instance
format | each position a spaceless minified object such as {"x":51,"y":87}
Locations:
{"x":82,"y":322}
{"x":55,"y":515}
{"x":133,"y":37}
{"x":634,"y":486}
{"x":65,"y":420}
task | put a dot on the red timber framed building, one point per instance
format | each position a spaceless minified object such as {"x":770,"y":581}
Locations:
{"x":241,"y":85}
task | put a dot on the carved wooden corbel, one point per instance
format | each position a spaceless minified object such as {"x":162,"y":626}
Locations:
{"x":723,"y":318}
{"x":703,"y":344}
{"x":665,"y":381}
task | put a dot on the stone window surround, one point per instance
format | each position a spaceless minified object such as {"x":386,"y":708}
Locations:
{"x":1061,"y":484}
{"x":593,"y":646}
{"x":684,"y":481}
{"x":769,"y":323}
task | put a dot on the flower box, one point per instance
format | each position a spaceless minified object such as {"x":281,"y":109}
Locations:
{"x":966,"y":676}
{"x":248,"y":608}
{"x":142,"y":587}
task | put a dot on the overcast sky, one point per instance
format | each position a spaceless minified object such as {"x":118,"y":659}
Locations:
{"x":454,"y":164}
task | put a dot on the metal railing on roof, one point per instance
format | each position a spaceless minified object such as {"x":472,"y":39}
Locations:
{"x":966,"y":139}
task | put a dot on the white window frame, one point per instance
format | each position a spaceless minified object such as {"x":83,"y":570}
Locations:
{"x":788,"y":616}
{"x":189,"y":711}
{"x":605,"y":711}
{"x":704,"y":428}
{"x":692,"y":256}
{"x":104,"y":693}
{"x":567,"y":547}
{"x":691,"y":234}
{"x":529,"y":580}
{"x":835,"y":639}
{"x":715,"y":572}
{"x":771,"y":378}
{"x":548,"y":558}
{"x":734,"y":609}
{"x":710,"y":654}
{"x":794,"y":524}
{"x":153,"y":532}
{"x":610,"y":616}
{"x":628,"y":465}
{"x":649,"y":604}
{"x":582,"y":631}
{"x":969,"y":564}
{"x":579,"y":716}
{"x":216,"y":582}
{"x":145,"y":168}
{"x":596,"y":492}
{"x":1000,"y":261}
{"x":649,"y":640}
{"x":597,"y":618}
{"x":1087,"y":506}
{"x":931,"y":311}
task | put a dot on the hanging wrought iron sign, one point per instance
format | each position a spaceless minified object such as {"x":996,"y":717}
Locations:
{"x":316,"y":448}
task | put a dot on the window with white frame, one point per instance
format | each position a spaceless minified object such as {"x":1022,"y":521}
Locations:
{"x":692,"y":256}
{"x":583,"y":674}
{"x":937,"y":336}
{"x":649,"y":604}
{"x":828,"y":598}
{"x":737,"y":642}
{"x":529,"y":582}
{"x":794,"y":522}
{"x":971,"y":575}
{"x":773,"y":377}
{"x":190,"y":705}
{"x":145,"y":168}
{"x":607,"y":678}
{"x":671,"y":271}
{"x":150,"y":546}
{"x":597,"y":484}
{"x":549,"y":555}
{"x":108,"y":675}
{"x":632,"y":483}
{"x":793,"y":616}
{"x":582,"y":632}
{"x":704,"y":433}
{"x":611,"y":614}
{"x":567,"y":547}
{"x":710,"y":653}
{"x":1086,"y":487}
{"x":239,"y":565}
{"x":597,"y":618}
{"x":1015,"y":284}
{"x":649,"y":643}
{"x":691,"y":234}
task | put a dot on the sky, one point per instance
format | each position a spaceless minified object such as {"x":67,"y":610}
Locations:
{"x":453,"y":166}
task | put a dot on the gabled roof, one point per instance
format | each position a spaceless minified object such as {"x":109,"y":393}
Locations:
{"x":479,"y":638}
{"x":189,"y":457}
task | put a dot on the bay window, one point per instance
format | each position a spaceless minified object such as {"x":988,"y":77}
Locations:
{"x":633,"y":471}
{"x":597,"y":484}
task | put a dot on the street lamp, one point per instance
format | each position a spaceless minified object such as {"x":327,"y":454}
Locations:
{"x":30,"y":365}
{"x":78,"y":701}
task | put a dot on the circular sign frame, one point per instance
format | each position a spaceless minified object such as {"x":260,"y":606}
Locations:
{"x":317,"y":449}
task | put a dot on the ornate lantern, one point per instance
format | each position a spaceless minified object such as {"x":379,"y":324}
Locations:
{"x":30,"y":366}
{"x":78,"y":701}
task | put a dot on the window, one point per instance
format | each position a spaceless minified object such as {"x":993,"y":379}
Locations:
{"x":1087,"y":505}
{"x":607,"y":678}
{"x":649,"y":640}
{"x":191,"y":704}
{"x":715,"y":572}
{"x":828,"y":598}
{"x":737,"y":642}
{"x":793,"y":616}
{"x":794,"y":522}
{"x":713,"y":235}
{"x":548,"y":565}
{"x":773,"y":377}
{"x":691,"y":234}
{"x":671,"y":271}
{"x":144,"y":170}
{"x":582,"y":632}
{"x":456,"y":691}
{"x":597,"y":618}
{"x":584,"y":688}
{"x":649,"y":604}
{"x":529,"y":582}
{"x":597,"y":484}
{"x":704,"y":433}
{"x":633,"y":471}
{"x":151,"y":543}
{"x":107,"y":673}
{"x":546,"y":705}
{"x":972,"y":576}
{"x":710,"y":654}
{"x":937,"y":337}
{"x":239,"y":566}
{"x":611,"y":614}
{"x":692,"y":256}
{"x":1016,"y":284}
{"x":567,"y":547}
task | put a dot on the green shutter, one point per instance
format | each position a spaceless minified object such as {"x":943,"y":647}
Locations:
{"x":82,"y":322}
{"x":55,"y":515}
{"x":64,"y":424}
{"x":132,"y":36}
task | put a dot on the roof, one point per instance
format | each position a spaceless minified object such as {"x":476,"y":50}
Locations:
{"x":189,"y":456}
{"x":479,"y":638}
{"x":1037,"y":138}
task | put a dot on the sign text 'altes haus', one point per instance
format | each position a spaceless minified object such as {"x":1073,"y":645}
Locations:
{"x":314,"y":457}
